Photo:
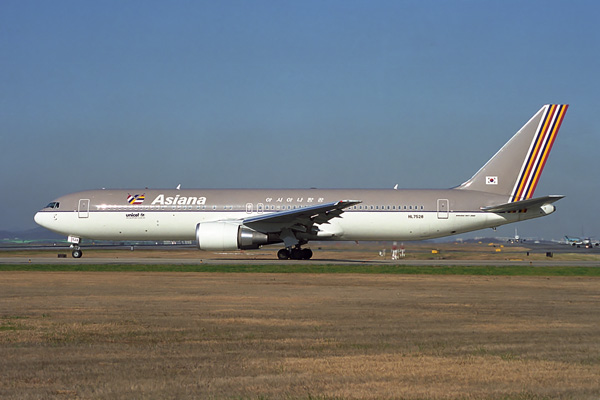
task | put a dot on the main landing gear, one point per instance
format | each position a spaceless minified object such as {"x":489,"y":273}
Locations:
{"x":294,"y":253}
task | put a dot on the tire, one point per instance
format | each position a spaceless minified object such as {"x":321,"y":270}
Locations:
{"x":307,"y":254}
{"x":283,"y":254}
{"x":296,"y":254}
{"x":77,"y":253}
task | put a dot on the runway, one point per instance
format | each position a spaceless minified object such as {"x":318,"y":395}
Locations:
{"x":417,"y":254}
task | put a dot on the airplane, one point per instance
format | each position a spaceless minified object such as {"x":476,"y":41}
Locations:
{"x":576,"y":241}
{"x":516,"y":239}
{"x":499,"y":193}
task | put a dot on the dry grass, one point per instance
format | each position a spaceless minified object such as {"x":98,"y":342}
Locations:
{"x":177,"y":335}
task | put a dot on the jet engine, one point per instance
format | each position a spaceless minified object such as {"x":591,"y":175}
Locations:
{"x":220,"y":236}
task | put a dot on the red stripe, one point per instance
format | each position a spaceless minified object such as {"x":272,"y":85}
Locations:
{"x":559,"y":120}
{"x":540,"y":135}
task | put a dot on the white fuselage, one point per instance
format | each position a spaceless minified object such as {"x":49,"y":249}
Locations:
{"x":381,"y":215}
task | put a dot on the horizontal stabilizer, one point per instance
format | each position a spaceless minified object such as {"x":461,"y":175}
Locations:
{"x":523,"y":204}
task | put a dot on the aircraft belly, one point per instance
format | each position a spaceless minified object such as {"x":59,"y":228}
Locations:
{"x":385,"y":226}
{"x":414,"y":226}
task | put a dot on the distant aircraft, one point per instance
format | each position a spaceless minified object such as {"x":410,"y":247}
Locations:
{"x":586,"y":242}
{"x":501,"y":192}
{"x":516,"y":239}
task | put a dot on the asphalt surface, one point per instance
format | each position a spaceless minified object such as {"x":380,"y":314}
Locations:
{"x":257,"y":257}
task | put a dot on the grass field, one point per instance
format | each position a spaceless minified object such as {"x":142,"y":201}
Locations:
{"x":140,"y":334}
{"x":316,"y":268}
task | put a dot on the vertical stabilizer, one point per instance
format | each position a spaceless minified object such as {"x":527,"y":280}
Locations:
{"x":516,"y":168}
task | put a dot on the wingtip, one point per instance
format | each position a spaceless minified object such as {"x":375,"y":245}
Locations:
{"x":350,"y":202}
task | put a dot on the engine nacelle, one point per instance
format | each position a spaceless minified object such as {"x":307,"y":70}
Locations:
{"x":220,"y":236}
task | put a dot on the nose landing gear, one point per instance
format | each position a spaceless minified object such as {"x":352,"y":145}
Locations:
{"x":76,"y":253}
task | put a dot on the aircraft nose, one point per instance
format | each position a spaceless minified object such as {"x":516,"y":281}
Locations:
{"x":41,"y":219}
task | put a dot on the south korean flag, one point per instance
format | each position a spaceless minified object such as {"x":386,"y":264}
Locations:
{"x":491,"y":180}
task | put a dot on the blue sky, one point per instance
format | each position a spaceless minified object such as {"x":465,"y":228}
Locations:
{"x":292,"y":94}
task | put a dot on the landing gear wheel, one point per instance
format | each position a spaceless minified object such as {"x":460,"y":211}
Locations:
{"x":296,"y":253}
{"x":77,"y":253}
{"x":283,"y":254}
{"x":307,"y":254}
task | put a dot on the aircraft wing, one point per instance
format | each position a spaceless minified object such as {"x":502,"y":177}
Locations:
{"x":523,"y":204}
{"x":300,"y":218}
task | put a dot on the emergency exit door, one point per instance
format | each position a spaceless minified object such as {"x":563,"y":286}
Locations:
{"x":442,"y":208}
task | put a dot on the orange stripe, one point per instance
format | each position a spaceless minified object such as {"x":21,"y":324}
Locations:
{"x":541,"y":135}
{"x":532,"y":160}
{"x":551,"y":140}
{"x":544,"y":158}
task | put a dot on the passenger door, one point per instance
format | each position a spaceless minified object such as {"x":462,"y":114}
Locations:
{"x":84,"y":208}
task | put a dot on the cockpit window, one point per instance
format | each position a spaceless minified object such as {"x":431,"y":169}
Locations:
{"x":54,"y":204}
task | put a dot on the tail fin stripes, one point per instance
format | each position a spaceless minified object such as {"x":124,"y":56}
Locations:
{"x":515,"y":170}
{"x":538,"y":152}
